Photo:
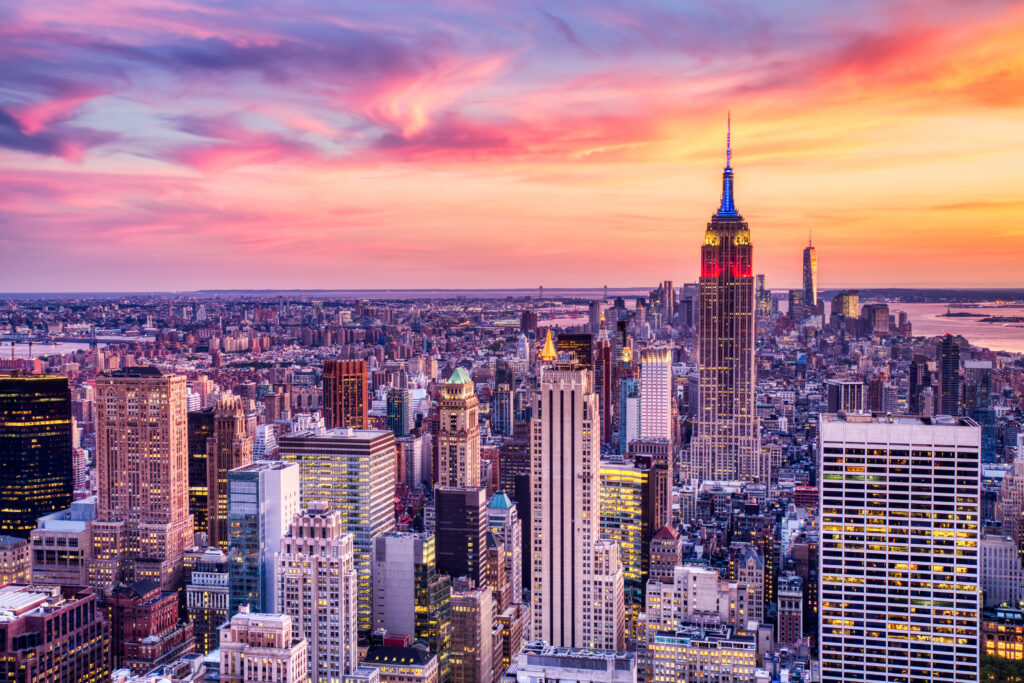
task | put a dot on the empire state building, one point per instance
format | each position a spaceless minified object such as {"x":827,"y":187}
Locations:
{"x":727,"y":444}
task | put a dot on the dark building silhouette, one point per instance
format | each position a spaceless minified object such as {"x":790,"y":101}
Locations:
{"x":36,"y":471}
{"x":461,"y":532}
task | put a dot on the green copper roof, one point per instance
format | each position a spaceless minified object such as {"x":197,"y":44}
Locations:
{"x":500,"y":501}
{"x":460,"y":376}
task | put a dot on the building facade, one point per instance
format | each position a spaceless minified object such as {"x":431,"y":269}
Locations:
{"x":353,"y":470}
{"x":143,"y":526}
{"x":36,"y":472}
{"x":726,"y":444}
{"x":900,"y":593}
{"x":316,"y":587}
{"x":458,"y":440}
{"x":346,"y":391}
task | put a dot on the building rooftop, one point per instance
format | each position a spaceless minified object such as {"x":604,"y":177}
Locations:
{"x":388,"y":654}
{"x":11,"y":541}
{"x":880,"y":418}
{"x":460,"y":376}
{"x":338,"y":433}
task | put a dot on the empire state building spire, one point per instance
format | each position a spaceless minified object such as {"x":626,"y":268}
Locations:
{"x":727,"y":209}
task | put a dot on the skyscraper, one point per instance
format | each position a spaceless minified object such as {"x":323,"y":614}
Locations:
{"x":579,"y":348}
{"x":503,"y":521}
{"x":354,"y":471}
{"x":400,"y":412}
{"x":142,"y":526}
{"x":316,"y":587}
{"x":459,"y":437}
{"x":461,"y":531}
{"x":726,"y":445}
{"x":410,"y":598}
{"x":263,"y":499}
{"x":565,"y":505}
{"x":35,"y":450}
{"x":472,"y":621}
{"x":810,"y":275}
{"x":657,"y":395}
{"x":229,"y":447}
{"x":900,"y":503}
{"x":947,"y":362}
{"x":200,"y":428}
{"x":345,"y":394}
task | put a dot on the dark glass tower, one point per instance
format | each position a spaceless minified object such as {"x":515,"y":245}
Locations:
{"x":35,"y":450}
{"x":727,"y":445}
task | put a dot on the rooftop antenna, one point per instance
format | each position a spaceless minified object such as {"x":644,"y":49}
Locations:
{"x":728,"y":139}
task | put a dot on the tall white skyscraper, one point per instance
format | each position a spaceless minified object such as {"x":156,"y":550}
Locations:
{"x":656,"y":395}
{"x":900,"y":595}
{"x":316,"y":587}
{"x":564,"y":464}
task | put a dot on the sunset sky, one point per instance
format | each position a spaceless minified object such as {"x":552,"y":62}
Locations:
{"x":172,"y":145}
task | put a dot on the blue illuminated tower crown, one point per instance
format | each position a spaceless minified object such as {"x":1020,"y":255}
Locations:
{"x":727,"y":209}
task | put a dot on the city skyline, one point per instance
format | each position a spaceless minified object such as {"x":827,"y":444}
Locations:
{"x":178,"y":147}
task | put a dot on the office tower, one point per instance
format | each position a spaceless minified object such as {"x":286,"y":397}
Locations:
{"x":845,"y":396}
{"x":144,"y":627}
{"x":548,"y":663}
{"x":666,"y":554}
{"x":605,"y":629}
{"x":200,"y":429}
{"x":750,"y":570}
{"x":36,"y":476}
{"x":255,"y":648}
{"x":578,"y":347}
{"x":1002,"y":578}
{"x":142,"y":527}
{"x":762,"y":298}
{"x":977,"y":403}
{"x":410,"y":598}
{"x":874,"y":320}
{"x":810,"y":275}
{"x":264,"y":444}
{"x":594,"y":311}
{"x":62,"y":546}
{"x":459,"y":436}
{"x":15,"y":560}
{"x":461,"y":530}
{"x":354,"y":471}
{"x":790,"y":609}
{"x":657,"y":395}
{"x":528,"y":322}
{"x":629,"y":409}
{"x":502,"y":409}
{"x":845,"y":303}
{"x":229,"y":448}
{"x":899,"y":559}
{"x":206,"y":598}
{"x":625,"y":519}
{"x":263,"y":498}
{"x":345,"y":394}
{"x":726,"y":445}
{"x":919,"y":377}
{"x":410,"y":452}
{"x":503,"y":521}
{"x":797,"y":309}
{"x":316,"y":587}
{"x":565,"y":503}
{"x":53,"y":633}
{"x":604,"y":382}
{"x":472,"y":643}
{"x":400,"y":419}
{"x":947,"y":363}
